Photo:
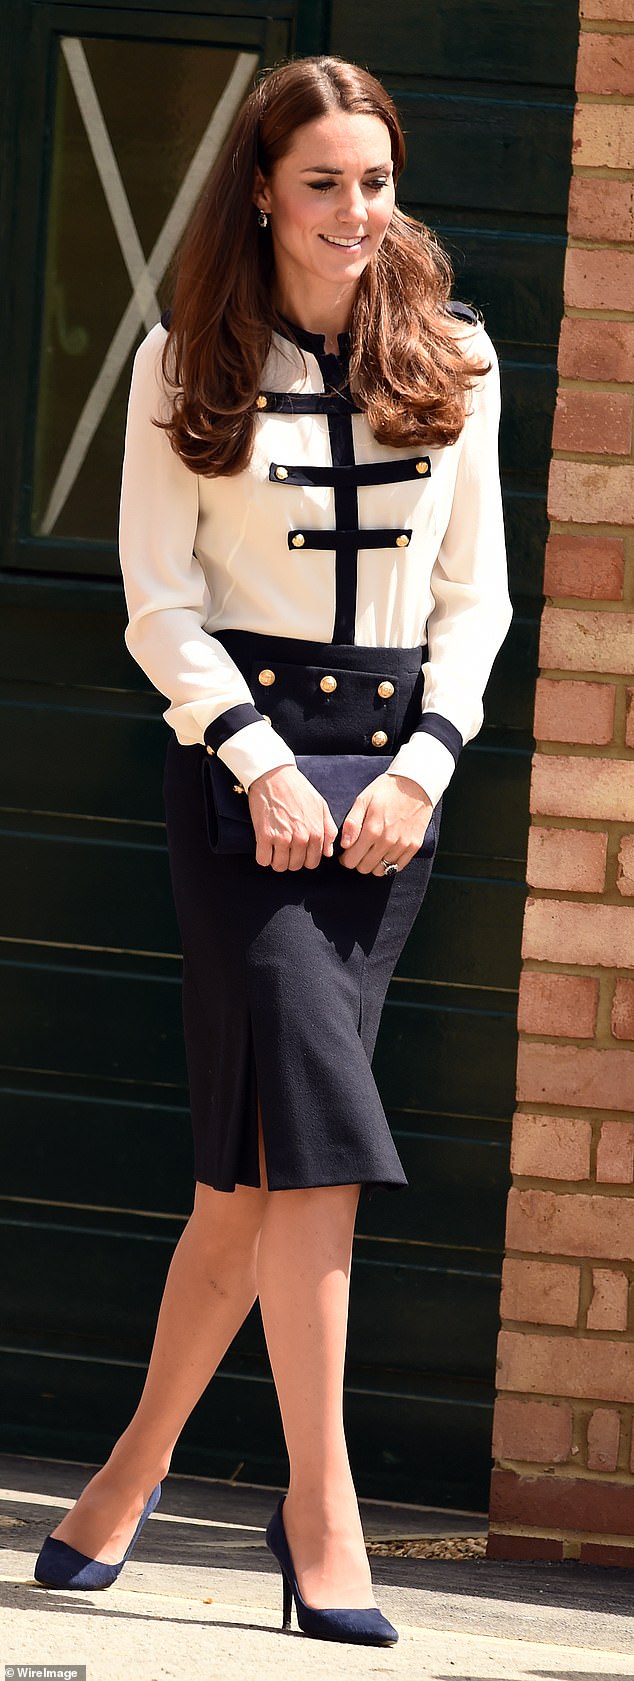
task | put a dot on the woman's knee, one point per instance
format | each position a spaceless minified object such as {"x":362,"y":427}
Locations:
{"x":227,"y":1219}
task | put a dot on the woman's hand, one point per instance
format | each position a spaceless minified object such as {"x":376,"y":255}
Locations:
{"x":388,"y":822}
{"x":293,"y":825}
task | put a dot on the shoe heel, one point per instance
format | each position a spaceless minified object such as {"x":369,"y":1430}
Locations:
{"x":366,"y":1626}
{"x":287,"y":1603}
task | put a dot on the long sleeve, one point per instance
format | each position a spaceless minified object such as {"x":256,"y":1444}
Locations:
{"x":167,"y":594}
{"x":472,"y":610}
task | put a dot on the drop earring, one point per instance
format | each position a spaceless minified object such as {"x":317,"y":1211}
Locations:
{"x":263,"y":220}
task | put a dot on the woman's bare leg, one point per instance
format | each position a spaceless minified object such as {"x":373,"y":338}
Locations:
{"x":210,"y":1287}
{"x":303,"y":1274}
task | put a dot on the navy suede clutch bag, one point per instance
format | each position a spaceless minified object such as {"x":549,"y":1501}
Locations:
{"x":338,"y":777}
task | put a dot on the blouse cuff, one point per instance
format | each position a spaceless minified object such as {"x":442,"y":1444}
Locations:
{"x":427,"y":761}
{"x":252,"y":750}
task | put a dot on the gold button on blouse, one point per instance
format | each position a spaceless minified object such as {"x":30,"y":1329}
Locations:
{"x":328,"y":684}
{"x":298,"y":541}
{"x":402,"y":541}
{"x":211,"y":750}
{"x":422,"y":466}
{"x":281,"y":472}
{"x":261,"y":401}
{"x":379,"y":738}
{"x":266,"y":677}
{"x":385,"y":690}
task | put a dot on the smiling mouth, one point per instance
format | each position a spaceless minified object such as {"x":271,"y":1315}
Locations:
{"x":343,"y":244}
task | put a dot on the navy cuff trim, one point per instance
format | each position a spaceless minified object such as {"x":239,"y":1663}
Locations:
{"x":226,"y":725}
{"x":433,"y":723}
{"x":374,"y":472}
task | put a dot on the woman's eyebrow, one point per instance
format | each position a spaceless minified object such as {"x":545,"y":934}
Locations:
{"x":324,"y":169}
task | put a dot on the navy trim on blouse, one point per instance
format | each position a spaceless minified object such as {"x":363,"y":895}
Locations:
{"x":433,"y":723}
{"x":350,"y":540}
{"x":373,"y":472}
{"x":227,"y":723}
{"x":308,"y":402}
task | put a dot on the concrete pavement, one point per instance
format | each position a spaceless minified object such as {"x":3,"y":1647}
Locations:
{"x":201,"y":1598}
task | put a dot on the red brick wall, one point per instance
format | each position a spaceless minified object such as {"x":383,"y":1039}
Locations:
{"x":563,"y":1483}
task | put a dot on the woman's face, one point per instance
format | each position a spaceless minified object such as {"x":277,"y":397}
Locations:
{"x":330,"y":200}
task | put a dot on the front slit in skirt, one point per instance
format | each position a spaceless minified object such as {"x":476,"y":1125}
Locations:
{"x":285,"y":973}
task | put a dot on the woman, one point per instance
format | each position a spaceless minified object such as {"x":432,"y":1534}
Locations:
{"x":313,"y":554}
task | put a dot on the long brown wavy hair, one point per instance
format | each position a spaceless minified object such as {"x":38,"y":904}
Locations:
{"x":407,"y":370}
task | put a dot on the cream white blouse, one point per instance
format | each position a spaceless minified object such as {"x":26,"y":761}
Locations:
{"x":326,"y":536}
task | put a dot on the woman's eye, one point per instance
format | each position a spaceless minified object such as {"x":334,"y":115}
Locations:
{"x":373,"y":186}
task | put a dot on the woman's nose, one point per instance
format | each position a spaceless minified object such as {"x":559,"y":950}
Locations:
{"x":353,"y":207}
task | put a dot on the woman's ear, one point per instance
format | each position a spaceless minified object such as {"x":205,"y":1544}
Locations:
{"x":261,"y":195}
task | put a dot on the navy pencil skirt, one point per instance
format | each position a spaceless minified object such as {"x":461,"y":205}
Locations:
{"x":285,"y":973}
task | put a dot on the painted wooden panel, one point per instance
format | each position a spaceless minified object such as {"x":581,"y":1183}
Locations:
{"x":403,"y":1434}
{"x":497,"y":41}
{"x":457,"y":1165}
{"x":114,"y":894}
{"x":414,"y":1296}
{"x":117,"y":1018}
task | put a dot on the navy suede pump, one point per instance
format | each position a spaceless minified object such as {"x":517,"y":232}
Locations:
{"x":61,"y":1566}
{"x":365,"y":1627}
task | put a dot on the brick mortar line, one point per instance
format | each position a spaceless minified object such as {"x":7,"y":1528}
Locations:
{"x":582,"y":604}
{"x":603,"y":1041}
{"x":612,"y":752}
{"x":585,"y":458}
{"x":611,"y":387}
{"x":614,"y":529}
{"x":621,"y":680}
{"x":605,"y":101}
{"x":608,"y":753}
{"x":604,"y":1538}
{"x":564,"y":1112}
{"x":570,"y":1473}
{"x":601,"y":172}
{"x":593,"y":971}
{"x":606,"y":26}
{"x":570,"y":1261}
{"x":569,"y":1041}
{"x":574,"y":312}
{"x":584,"y":897}
{"x":589,"y":1187}
{"x":578,"y":1334}
{"x":580,"y":1407}
{"x":577,"y":242}
{"x":576,"y":896}
{"x":590,"y":826}
{"x":560,"y":1259}
{"x":606,"y":1190}
{"x":614,"y":679}
{"x":531,"y":1470}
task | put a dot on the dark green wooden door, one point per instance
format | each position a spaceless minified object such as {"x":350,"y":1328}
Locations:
{"x":112,"y":115}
